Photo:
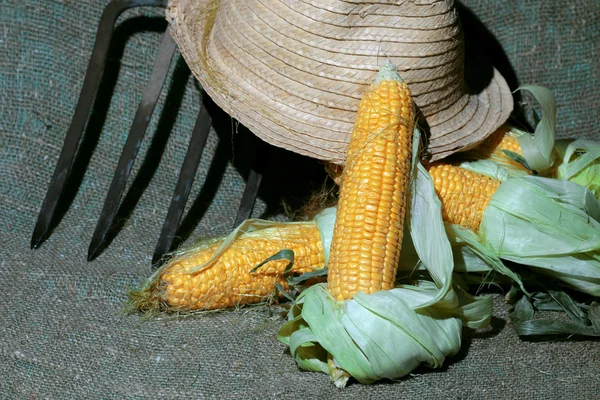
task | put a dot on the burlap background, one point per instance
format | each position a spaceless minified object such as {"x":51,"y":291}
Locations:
{"x":62,"y":334}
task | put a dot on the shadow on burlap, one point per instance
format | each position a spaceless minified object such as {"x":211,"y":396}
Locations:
{"x":62,"y":331}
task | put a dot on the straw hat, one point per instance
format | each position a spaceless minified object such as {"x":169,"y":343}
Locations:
{"x":293,"y":71}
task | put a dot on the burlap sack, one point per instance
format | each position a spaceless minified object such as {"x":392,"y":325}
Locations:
{"x":62,"y":333}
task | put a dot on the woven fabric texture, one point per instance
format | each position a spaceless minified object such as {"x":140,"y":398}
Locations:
{"x":63,"y":334}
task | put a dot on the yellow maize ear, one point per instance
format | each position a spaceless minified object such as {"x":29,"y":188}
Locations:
{"x":503,"y":140}
{"x":492,"y":148}
{"x":368,"y":228}
{"x":228,"y":282}
{"x":464,"y":194}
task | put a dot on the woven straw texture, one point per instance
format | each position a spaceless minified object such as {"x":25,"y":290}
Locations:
{"x":294,"y":72}
{"x":62,"y":333}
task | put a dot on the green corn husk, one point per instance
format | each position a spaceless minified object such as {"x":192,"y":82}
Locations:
{"x":575,"y":160}
{"x":550,"y":227}
{"x":472,"y":256}
{"x":389,"y":333}
{"x":538,"y":150}
{"x":489,"y":168}
{"x":510,"y":164}
{"x":548,"y":224}
{"x":579,"y":162}
{"x":480,"y":263}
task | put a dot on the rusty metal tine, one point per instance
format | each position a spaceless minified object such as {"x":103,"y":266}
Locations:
{"x":184,"y":185}
{"x":82,"y":111}
{"x":132,"y":145}
{"x":257,"y":149}
{"x":249,"y":196}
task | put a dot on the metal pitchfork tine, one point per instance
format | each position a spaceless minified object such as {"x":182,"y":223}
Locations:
{"x":132,"y":145}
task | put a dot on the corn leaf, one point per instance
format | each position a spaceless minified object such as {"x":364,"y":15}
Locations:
{"x":284,"y":254}
{"x":519,"y":159}
{"x":566,"y":303}
{"x":538,"y":150}
{"x":295,"y":280}
{"x":523,"y":311}
{"x":544,"y":302}
{"x":284,"y":293}
{"x":522,"y":318}
{"x":550,"y":327}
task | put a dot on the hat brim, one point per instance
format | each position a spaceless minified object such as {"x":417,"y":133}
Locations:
{"x":289,"y":119}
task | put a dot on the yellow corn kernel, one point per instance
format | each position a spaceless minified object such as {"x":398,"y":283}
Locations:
{"x":464,"y":194}
{"x":228,"y":282}
{"x":492,"y":148}
{"x":368,"y":229}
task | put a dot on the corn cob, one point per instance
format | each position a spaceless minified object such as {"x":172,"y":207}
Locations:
{"x":181,"y":286}
{"x":502,"y":139}
{"x":505,"y":138}
{"x":464,"y":194}
{"x":368,"y":229}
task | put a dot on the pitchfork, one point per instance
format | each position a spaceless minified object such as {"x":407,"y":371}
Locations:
{"x":48,"y":212}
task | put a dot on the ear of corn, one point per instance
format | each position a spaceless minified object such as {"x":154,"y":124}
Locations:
{"x":547,"y":224}
{"x":464,"y":194}
{"x":495,"y":147}
{"x":505,"y":138}
{"x":536,"y":150}
{"x":209,"y":277}
{"x":389,"y":333}
{"x":371,"y":206}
